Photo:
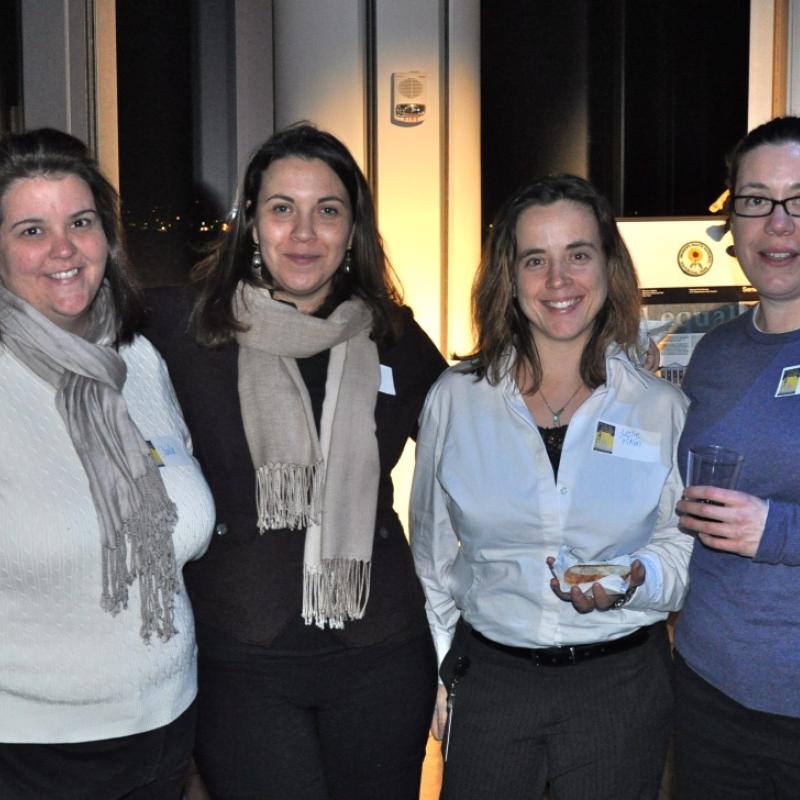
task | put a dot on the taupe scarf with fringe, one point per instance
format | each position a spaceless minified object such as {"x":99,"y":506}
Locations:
{"x":135,"y":516}
{"x":327,"y":484}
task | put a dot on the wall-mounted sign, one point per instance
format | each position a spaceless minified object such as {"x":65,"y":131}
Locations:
{"x":695,"y":258}
{"x":677,"y":317}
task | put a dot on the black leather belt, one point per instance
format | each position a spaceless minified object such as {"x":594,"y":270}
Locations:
{"x":569,"y":654}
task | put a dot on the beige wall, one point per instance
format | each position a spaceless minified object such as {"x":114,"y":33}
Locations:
{"x":427,"y":176}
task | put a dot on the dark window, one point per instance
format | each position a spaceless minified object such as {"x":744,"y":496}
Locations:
{"x":168,"y":216}
{"x":644,"y":99}
{"x":10,"y":56}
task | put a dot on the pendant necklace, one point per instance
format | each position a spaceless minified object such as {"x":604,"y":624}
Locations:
{"x":557,"y":414}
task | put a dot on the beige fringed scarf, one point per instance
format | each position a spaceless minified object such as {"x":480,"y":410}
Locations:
{"x":326,"y":484}
{"x":134,"y":513}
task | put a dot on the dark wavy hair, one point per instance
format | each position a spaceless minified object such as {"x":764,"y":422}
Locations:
{"x":781,"y":130}
{"x":497,"y":317}
{"x":370,"y":277}
{"x":49,"y":153}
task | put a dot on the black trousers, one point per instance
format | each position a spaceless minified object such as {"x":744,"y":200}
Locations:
{"x":725,"y":750}
{"x":348,"y":725}
{"x":594,"y":730}
{"x":144,"y":766}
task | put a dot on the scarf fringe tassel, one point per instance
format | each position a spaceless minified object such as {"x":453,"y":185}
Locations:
{"x":336,"y":593}
{"x":288,"y":495}
{"x":152,"y":561}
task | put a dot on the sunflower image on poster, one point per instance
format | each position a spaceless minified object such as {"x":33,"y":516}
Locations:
{"x":695,"y":258}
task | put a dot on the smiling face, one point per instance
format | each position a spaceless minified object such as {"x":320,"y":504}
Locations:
{"x":768,"y":248}
{"x":303,"y":225}
{"x":560,"y":271}
{"x":53,"y":250}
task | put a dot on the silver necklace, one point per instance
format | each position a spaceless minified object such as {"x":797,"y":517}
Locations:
{"x":557,"y":414}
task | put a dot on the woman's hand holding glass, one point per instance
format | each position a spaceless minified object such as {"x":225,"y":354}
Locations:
{"x":724,"y":519}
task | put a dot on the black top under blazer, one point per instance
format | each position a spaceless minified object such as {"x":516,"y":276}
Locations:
{"x":248,"y":587}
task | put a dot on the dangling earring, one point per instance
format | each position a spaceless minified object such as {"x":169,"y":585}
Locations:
{"x":514,"y":290}
{"x":257,"y":263}
{"x":348,"y":260}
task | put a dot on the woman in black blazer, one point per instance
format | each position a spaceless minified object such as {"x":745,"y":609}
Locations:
{"x":301,"y":377}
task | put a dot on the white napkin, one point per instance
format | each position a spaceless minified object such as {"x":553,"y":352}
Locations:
{"x":566,"y":558}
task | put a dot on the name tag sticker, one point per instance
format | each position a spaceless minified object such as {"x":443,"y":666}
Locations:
{"x":387,"y":380}
{"x":789,"y":384}
{"x":624,"y":442}
{"x":168,"y":451}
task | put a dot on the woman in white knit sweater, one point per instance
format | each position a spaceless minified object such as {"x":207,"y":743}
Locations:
{"x":100,"y":499}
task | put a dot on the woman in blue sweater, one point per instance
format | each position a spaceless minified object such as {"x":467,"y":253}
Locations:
{"x":738,"y":639}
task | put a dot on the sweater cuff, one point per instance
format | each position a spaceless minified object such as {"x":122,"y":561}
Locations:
{"x":780,"y":542}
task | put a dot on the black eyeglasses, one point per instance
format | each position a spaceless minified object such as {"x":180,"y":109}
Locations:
{"x":752,"y":205}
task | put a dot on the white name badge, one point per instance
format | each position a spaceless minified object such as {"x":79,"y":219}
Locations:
{"x":387,"y":380}
{"x":789,"y":384}
{"x":168,"y":451}
{"x":624,"y":442}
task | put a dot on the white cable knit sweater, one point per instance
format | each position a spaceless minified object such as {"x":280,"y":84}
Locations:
{"x":69,"y":671}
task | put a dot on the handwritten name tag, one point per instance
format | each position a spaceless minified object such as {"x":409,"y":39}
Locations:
{"x":624,"y":442}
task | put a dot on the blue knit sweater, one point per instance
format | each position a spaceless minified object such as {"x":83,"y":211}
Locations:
{"x":740,"y":627}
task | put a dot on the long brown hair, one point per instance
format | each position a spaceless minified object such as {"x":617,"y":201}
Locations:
{"x":499,"y":322}
{"x":370,"y":276}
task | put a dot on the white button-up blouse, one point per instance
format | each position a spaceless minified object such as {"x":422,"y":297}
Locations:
{"x":486,"y":510}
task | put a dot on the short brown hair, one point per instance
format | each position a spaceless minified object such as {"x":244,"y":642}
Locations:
{"x":781,"y":130}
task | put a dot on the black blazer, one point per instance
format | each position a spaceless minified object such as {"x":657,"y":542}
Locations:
{"x":248,"y":586}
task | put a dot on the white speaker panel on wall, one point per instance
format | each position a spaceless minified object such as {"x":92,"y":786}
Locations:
{"x":408,"y":97}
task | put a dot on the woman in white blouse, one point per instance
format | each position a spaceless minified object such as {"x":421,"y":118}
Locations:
{"x":550,"y":441}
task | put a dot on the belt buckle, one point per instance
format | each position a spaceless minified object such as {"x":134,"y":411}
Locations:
{"x":564,"y":656}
